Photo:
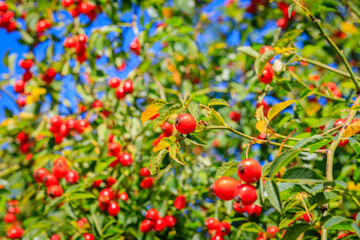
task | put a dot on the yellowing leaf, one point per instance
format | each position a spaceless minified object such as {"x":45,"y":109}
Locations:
{"x":347,"y":27}
{"x":151,"y":110}
{"x":259,"y":114}
{"x":177,"y":78}
{"x":352,"y":129}
{"x":165,"y":143}
{"x":217,"y":46}
{"x":312,"y":108}
{"x":261,"y":126}
{"x":278,"y":108}
{"x":280,"y":50}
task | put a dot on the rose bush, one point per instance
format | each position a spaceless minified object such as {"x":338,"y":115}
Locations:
{"x":180,"y":120}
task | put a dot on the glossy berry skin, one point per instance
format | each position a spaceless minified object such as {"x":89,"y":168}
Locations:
{"x":217,"y":237}
{"x":26,"y":64}
{"x":124,"y":196}
{"x":71,"y":177}
{"x":114,"y":82}
{"x":19,"y":86}
{"x":50,"y":180}
{"x":224,"y":188}
{"x":128,"y":86}
{"x":152,"y":214}
{"x":212,"y":223}
{"x":272,"y":230}
{"x":167,"y":128}
{"x":113,"y":208}
{"x":235,"y":116}
{"x":170,"y":221}
{"x":120,"y":93}
{"x":147,"y":182}
{"x":160,"y":224}
{"x":81,"y":125}
{"x":54,"y":191}
{"x":67,"y":3}
{"x":253,"y":209}
{"x":97,"y":183}
{"x":260,"y":238}
{"x":264,"y":49}
{"x":343,"y":143}
{"x":282,"y":23}
{"x":60,"y":167}
{"x":306,"y":217}
{"x":110,"y":181}
{"x":125,"y":159}
{"x":180,"y":202}
{"x":223,"y":228}
{"x":145,"y":172}
{"x":56,"y":121}
{"x":55,"y":237}
{"x":15,"y":232}
{"x":249,"y":170}
{"x":246,"y":194}
{"x":339,"y":122}
{"x":9,"y":217}
{"x":239,"y":207}
{"x":135,"y":46}
{"x":88,"y":236}
{"x":267,"y":74}
{"x":114,"y":148}
{"x":185,"y":123}
{"x":105,"y":196}
{"x":146,"y":226}
{"x":39,"y":174}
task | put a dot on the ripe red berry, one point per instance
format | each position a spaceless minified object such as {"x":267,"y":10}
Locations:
{"x":167,"y":128}
{"x":152,"y":214}
{"x":9,"y":217}
{"x":50,"y":180}
{"x":282,"y":23}
{"x":54,"y":191}
{"x":135,"y":46}
{"x":128,"y":86}
{"x":120,"y":93}
{"x":60,"y":167}
{"x":267,"y":74}
{"x":253,"y":209}
{"x":306,"y":217}
{"x":82,"y":125}
{"x":246,"y":194}
{"x":272,"y":230}
{"x":160,"y":224}
{"x":22,"y":137}
{"x":110,"y":181}
{"x":82,"y":38}
{"x":55,"y":237}
{"x":64,"y":130}
{"x":144,"y":172}
{"x":180,"y":202}
{"x":223,"y":228}
{"x":343,"y":143}
{"x":97,"y":183}
{"x":113,"y":208}
{"x":146,"y":226}
{"x":239,"y":207}
{"x":147,"y":182}
{"x":217,"y":237}
{"x":105,"y":196}
{"x":125,"y":159}
{"x":224,"y":188}
{"x":124,"y":196}
{"x":114,"y":148}
{"x":15,"y":232}
{"x":67,"y":3}
{"x":339,"y":122}
{"x":56,"y":121}
{"x":264,"y":49}
{"x":170,"y":221}
{"x":212,"y":223}
{"x":3,"y":6}
{"x":26,"y":64}
{"x":114,"y":82}
{"x":249,"y":170}
{"x":69,"y":42}
{"x":88,"y":236}
{"x":71,"y":177}
{"x":185,"y":123}
{"x":19,"y":86}
{"x":235,"y":116}
{"x":27,"y":76}
{"x":39,"y":174}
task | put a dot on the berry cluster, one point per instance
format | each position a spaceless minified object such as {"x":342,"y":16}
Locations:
{"x":154,"y":222}
{"x":78,"y":6}
{"x":267,"y":73}
{"x":108,"y":201}
{"x":219,"y":229}
{"x":122,"y":88}
{"x":24,"y":142}
{"x":7,"y":20}
{"x":283,"y":22}
{"x":61,"y":128}
{"x":42,"y":26}
{"x":77,"y":43}
{"x":148,"y":181}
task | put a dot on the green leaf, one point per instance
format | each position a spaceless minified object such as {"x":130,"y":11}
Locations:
{"x":295,"y":231}
{"x":291,"y":9}
{"x":50,"y":51}
{"x":321,"y":198}
{"x":227,"y":169}
{"x":288,"y":37}
{"x":356,"y":175}
{"x":79,"y":196}
{"x":216,"y":118}
{"x":301,"y":173}
{"x":26,"y":37}
{"x":100,"y":166}
{"x":69,"y":211}
{"x":249,"y":51}
{"x":195,"y":139}
{"x":262,"y":60}
{"x":194,"y":109}
{"x":175,"y":155}
{"x":307,"y":141}
{"x":358,"y":218}
{"x":315,"y":146}
{"x":356,"y":229}
{"x":217,"y":101}
{"x":355,"y":145}
{"x":5,"y":60}
{"x":156,"y":160}
{"x":338,"y":223}
{"x":251,"y":227}
{"x":165,"y":112}
{"x":273,"y":194}
{"x":164,"y":143}
{"x":281,"y":161}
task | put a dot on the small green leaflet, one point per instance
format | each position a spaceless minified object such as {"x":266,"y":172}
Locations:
{"x":281,"y":161}
{"x":249,"y":51}
{"x":262,"y":60}
{"x":156,"y":160}
{"x":227,"y":169}
{"x":195,"y":139}
{"x":273,"y":194}
{"x":194,"y":109}
{"x":175,"y":155}
{"x":217,"y":101}
{"x":216,"y":118}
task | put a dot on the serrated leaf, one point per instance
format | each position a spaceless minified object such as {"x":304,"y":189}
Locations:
{"x":273,"y":194}
{"x":305,"y":142}
{"x":352,"y":129}
{"x":216,"y":118}
{"x":261,"y":126}
{"x":321,"y":198}
{"x":195,"y":139}
{"x":278,"y":108}
{"x":227,"y":169}
{"x":355,"y":145}
{"x":251,"y":227}
{"x":295,"y":231}
{"x":281,"y":161}
{"x":332,"y":222}
{"x":194,"y":109}
{"x":164,"y":143}
{"x":156,"y":160}
{"x":165,"y":112}
{"x":315,"y":146}
{"x":152,"y":110}
{"x":175,"y":155}
{"x":301,"y":173}
{"x":288,"y":37}
{"x":262,"y":60}
{"x":249,"y":51}
{"x":217,"y":101}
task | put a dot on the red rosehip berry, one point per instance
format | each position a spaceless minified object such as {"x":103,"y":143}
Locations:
{"x":272,"y":230}
{"x":224,"y":188}
{"x":217,"y":237}
{"x":264,"y":49}
{"x":249,"y":170}
{"x":105,"y":196}
{"x":71,"y":177}
{"x":212,"y":223}
{"x":223,"y":228}
{"x":167,"y":128}
{"x":26,"y":64}
{"x":180,"y":202}
{"x":185,"y":123}
{"x":245,"y":194}
{"x":27,"y":76}
{"x":152,"y":214}
{"x":145,"y":172}
{"x":282,"y":23}
{"x":135,"y":46}
{"x":267,"y":74}
{"x":170,"y":221}
{"x":124,"y":196}
{"x":15,"y":232}
{"x":67,"y":3}
{"x":110,"y":181}
{"x":96,"y":183}
{"x":19,"y":86}
{"x":54,"y":191}
{"x":147,"y":182}
{"x":125,"y":159}
{"x":60,"y":167}
{"x":120,"y":93}
{"x":81,"y":125}
{"x":114,"y":148}
{"x":235,"y":116}
{"x":9,"y":217}
{"x":56,"y":121}
{"x":114,"y":82}
{"x":160,"y":224}
{"x":50,"y":180}
{"x":88,"y":236}
{"x":146,"y":225}
{"x":128,"y":86}
{"x":253,"y":209}
{"x":113,"y":208}
{"x":3,"y":6}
